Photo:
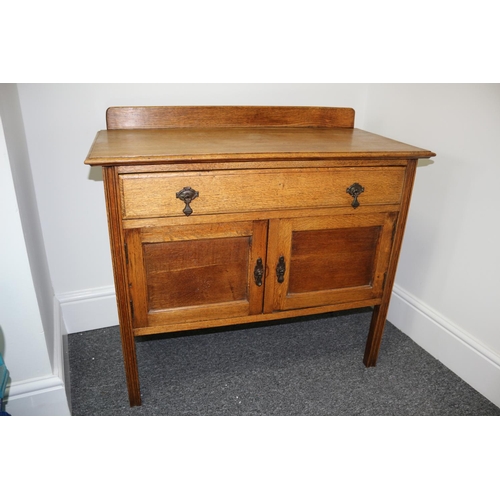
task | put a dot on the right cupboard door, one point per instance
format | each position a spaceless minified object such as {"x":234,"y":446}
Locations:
{"x":318,"y":261}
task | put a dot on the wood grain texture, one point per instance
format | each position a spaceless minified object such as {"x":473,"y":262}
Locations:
{"x":170,"y":223}
{"x":157,"y":117}
{"x":161,"y":326}
{"x":137,"y":283}
{"x":380,"y":311}
{"x":258,"y":165}
{"x":332,"y":258}
{"x":328,"y":260}
{"x":154,"y":194}
{"x":195,"y":273}
{"x":122,"y":147}
{"x":118,"y":256}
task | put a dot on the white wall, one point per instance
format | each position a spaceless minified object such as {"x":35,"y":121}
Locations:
{"x":22,"y":331}
{"x":32,"y":389}
{"x":30,"y":333}
{"x":17,"y":150}
{"x":446,"y":293}
{"x":445,"y":289}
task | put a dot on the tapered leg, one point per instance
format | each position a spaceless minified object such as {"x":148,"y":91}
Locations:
{"x":131,"y":370}
{"x":379,"y":315}
{"x":375,"y":335}
{"x":111,"y":189}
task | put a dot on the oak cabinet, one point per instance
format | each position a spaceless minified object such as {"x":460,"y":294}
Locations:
{"x":229,"y":215}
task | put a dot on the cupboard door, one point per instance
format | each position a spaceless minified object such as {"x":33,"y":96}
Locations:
{"x":317,"y":261}
{"x":183,"y":274}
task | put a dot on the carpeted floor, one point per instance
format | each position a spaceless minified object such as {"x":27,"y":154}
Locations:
{"x":306,"y":366}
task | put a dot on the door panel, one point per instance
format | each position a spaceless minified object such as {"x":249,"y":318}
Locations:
{"x":199,"y":273}
{"x":332,"y":258}
{"x":328,"y":259}
{"x":207,"y":272}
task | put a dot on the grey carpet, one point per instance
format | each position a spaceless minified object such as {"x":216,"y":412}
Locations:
{"x":306,"y":366}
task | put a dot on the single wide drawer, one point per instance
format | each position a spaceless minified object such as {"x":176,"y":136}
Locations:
{"x":215,"y":192}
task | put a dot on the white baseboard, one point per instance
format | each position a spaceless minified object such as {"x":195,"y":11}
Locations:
{"x":60,"y":365}
{"x":88,"y":309}
{"x":43,"y":396}
{"x":47,"y":395}
{"x":456,"y":349}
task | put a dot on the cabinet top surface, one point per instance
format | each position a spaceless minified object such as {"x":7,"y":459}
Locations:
{"x":153,"y":146}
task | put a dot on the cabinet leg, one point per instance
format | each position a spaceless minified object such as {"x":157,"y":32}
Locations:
{"x":131,"y":370}
{"x":375,"y":335}
{"x":112,"y":192}
{"x":380,"y":312}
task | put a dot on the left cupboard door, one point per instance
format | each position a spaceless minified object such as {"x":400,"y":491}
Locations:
{"x":195,"y":272}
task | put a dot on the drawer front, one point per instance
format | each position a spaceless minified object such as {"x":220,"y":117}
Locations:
{"x":165,"y":194}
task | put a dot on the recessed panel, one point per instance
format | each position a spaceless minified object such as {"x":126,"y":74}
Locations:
{"x":332,"y":258}
{"x":196,"y":272}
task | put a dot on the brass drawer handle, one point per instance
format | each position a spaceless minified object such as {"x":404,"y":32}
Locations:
{"x":355,"y":190}
{"x":187,"y":195}
{"x":280,"y":269}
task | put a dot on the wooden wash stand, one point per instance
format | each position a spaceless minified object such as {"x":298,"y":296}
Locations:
{"x":226,"y":215}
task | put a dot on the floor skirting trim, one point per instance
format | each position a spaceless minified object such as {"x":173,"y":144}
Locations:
{"x":457,"y":349}
{"x":88,"y":309}
{"x":44,"y":396}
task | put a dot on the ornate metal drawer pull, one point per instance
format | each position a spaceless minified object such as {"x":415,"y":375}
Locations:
{"x":355,"y":190}
{"x":258,"y":272}
{"x":280,"y":269}
{"x":187,"y":195}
